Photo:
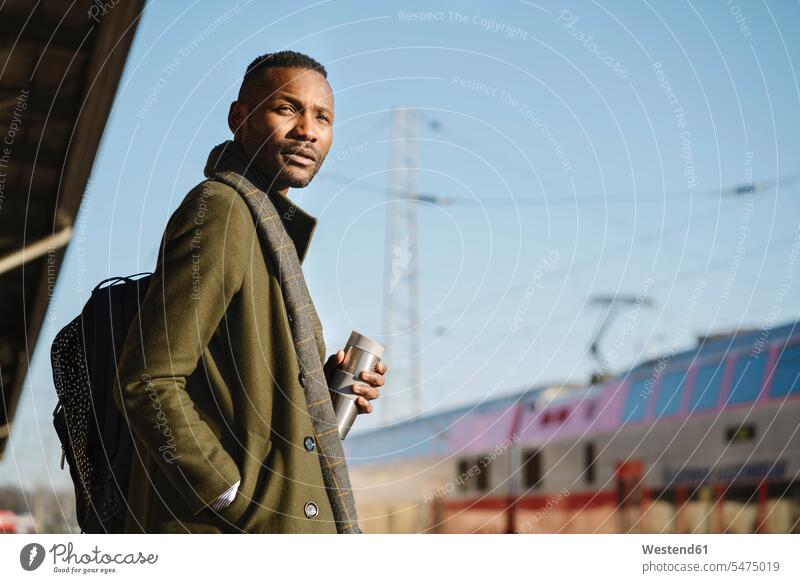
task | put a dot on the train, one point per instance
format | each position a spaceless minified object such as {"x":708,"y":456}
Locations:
{"x":701,"y":441}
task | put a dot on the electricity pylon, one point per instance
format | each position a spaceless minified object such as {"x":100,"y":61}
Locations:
{"x":401,"y":306}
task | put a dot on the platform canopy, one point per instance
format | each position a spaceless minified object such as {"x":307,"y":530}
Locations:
{"x":60,"y":65}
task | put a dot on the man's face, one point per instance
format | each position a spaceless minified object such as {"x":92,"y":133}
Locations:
{"x":288,"y":131}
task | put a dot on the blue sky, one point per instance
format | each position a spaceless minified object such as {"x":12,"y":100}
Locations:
{"x":588,"y":149}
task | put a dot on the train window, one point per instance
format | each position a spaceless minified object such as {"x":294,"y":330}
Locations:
{"x":746,"y":381}
{"x":636,"y":402}
{"x":463,"y":475}
{"x":670,"y":391}
{"x":740,"y":433}
{"x":786,"y":380}
{"x":473,"y":474}
{"x":482,"y":478}
{"x":532,"y":468}
{"x":706,"y":386}
{"x":589,"y":459}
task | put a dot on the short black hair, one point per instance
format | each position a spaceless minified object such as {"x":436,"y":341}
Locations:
{"x":253,"y":75}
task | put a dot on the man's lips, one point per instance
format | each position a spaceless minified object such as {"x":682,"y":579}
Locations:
{"x":302,"y":157}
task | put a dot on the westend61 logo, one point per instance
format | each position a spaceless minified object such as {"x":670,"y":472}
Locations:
{"x":65,"y":560}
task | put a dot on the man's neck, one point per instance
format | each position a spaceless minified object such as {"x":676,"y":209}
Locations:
{"x":255,"y":167}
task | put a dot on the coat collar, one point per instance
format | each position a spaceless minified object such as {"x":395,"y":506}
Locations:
{"x":300,"y":225}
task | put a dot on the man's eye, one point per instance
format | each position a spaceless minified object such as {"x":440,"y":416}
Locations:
{"x":324,"y":118}
{"x":286,"y":108}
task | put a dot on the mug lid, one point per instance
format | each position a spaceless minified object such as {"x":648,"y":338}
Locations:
{"x":367,"y":344}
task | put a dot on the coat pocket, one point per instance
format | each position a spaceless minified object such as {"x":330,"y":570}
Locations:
{"x":251,"y":465}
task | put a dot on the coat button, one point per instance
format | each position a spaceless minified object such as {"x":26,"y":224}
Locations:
{"x":302,"y":379}
{"x":311,"y":509}
{"x":308,"y":442}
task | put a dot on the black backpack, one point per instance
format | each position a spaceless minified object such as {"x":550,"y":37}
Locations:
{"x":95,"y":438}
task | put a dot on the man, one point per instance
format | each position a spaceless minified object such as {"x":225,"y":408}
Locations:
{"x":210,"y":378}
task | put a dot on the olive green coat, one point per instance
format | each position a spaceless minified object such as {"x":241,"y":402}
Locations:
{"x":209,"y":380}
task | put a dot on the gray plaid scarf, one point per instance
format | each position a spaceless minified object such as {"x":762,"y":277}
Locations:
{"x":226,"y":164}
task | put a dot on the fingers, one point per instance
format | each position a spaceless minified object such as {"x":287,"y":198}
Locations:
{"x":373,"y":378}
{"x":370,"y":391}
{"x":366,"y":391}
{"x":332,"y":362}
{"x":363,"y":405}
{"x":335,"y":358}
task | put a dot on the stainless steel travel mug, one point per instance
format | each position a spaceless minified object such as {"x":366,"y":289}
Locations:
{"x":360,"y":353}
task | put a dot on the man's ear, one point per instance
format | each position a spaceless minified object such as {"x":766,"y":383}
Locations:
{"x":237,"y":117}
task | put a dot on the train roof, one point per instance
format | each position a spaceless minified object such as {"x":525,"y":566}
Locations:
{"x":724,"y":342}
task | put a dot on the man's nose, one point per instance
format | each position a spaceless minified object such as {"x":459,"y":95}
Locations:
{"x":304,"y":129}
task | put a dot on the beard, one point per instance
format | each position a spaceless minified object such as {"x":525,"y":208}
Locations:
{"x":265,"y":157}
